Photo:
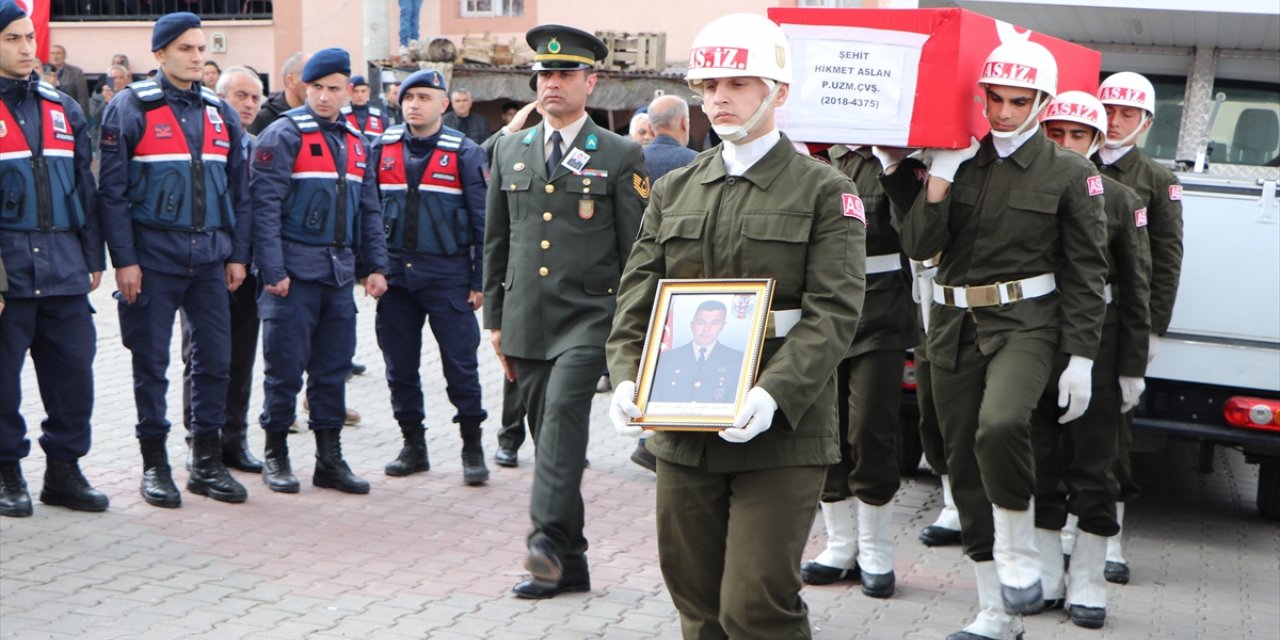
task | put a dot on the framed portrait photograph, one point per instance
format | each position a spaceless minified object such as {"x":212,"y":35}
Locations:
{"x":701,"y":352}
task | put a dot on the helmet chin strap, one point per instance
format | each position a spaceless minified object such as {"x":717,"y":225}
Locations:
{"x":1032,"y":120}
{"x":1133,"y":135}
{"x":1099,"y":138}
{"x":734,"y":133}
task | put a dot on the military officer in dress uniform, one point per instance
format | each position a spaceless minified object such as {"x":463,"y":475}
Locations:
{"x":1073,"y":465}
{"x":565,"y":201}
{"x":52,"y":241}
{"x":703,"y":369}
{"x":1021,"y":231}
{"x":860,"y":531}
{"x":734,"y":508}
{"x":432,"y":182}
{"x":1130,"y":101}
{"x":363,"y":116}
{"x":312,"y":167}
{"x":177,"y":223}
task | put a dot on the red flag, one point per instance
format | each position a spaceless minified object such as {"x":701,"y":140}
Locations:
{"x":39,"y":12}
{"x":668,"y":334}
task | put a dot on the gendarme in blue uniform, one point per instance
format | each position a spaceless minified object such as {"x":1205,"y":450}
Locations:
{"x":433,"y":203}
{"x":318,"y":204}
{"x":51,"y":241}
{"x":180,"y":230}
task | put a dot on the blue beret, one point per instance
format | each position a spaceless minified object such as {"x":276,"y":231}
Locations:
{"x":427,"y":78}
{"x":325,"y":62}
{"x":359,"y":81}
{"x":171,"y":26}
{"x":10,"y":12}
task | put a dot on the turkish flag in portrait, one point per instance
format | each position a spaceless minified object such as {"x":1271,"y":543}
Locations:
{"x":39,"y":12}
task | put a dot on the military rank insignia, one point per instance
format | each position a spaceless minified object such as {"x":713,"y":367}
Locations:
{"x":641,"y":184}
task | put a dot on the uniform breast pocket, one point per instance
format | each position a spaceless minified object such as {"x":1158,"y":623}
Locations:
{"x":680,"y":235}
{"x":775,"y":244}
{"x":517,"y":185}
{"x":1035,"y":214}
{"x":12,"y":195}
{"x":591,"y":195}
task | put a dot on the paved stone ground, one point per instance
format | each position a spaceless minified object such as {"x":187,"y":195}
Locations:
{"x":426,"y":557}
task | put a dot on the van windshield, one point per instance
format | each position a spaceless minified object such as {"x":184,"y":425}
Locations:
{"x":1246,"y":131}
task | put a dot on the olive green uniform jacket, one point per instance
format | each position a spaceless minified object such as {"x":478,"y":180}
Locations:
{"x":888,"y":319}
{"x":1161,"y":192}
{"x":555,"y":246}
{"x":1129,"y":274}
{"x":1005,"y":219}
{"x":782,"y":219}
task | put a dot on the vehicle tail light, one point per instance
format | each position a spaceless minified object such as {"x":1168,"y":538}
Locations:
{"x":1252,"y":413}
{"x":909,"y":376}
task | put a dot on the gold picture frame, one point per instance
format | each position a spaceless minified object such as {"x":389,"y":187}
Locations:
{"x":701,"y":353}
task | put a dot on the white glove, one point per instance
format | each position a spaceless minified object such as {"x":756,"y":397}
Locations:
{"x":622,"y":407}
{"x":1130,"y":392}
{"x":1075,"y":388}
{"x":1153,"y":345}
{"x":889,"y":157}
{"x":945,"y":162}
{"x":754,"y":418}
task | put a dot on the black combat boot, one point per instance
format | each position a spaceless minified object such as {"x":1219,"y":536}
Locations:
{"x":209,"y":477}
{"x":65,"y":486}
{"x":15,"y":502}
{"x":474,"y":471}
{"x":413,"y":456}
{"x":158,"y":488}
{"x":236,"y":454}
{"x":332,"y":471}
{"x":276,"y":470}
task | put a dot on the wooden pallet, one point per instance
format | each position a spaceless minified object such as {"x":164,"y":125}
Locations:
{"x":635,"y":51}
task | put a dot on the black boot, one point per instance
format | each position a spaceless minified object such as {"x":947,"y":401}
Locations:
{"x":65,"y":486}
{"x":158,"y":488}
{"x":332,"y":471}
{"x":474,"y":471}
{"x":236,"y":454}
{"x":276,"y":470}
{"x":15,"y":502}
{"x":413,"y":456}
{"x":209,"y":477}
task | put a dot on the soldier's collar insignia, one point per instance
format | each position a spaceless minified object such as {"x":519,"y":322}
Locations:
{"x":592,"y":142}
{"x":528,"y":137}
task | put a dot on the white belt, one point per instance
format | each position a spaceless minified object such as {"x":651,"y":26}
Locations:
{"x":884,"y":264}
{"x":990,"y":295}
{"x":1106,"y":293}
{"x":780,"y":322}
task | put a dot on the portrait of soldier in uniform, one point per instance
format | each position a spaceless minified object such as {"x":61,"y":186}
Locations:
{"x":704,"y":369}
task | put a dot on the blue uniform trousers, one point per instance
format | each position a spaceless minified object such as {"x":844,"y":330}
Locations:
{"x":401,"y":315}
{"x":244,"y":352}
{"x":146,"y":327}
{"x":59,"y":332}
{"x":313,"y":329}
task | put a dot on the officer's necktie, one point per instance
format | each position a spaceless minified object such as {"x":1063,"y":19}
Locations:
{"x":702,"y":356}
{"x":553,"y":160}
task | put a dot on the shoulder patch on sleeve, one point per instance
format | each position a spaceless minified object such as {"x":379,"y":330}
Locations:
{"x":1140,"y":217}
{"x":263,"y":156}
{"x":1175,"y":192}
{"x":852,"y":207}
{"x":641,"y":184}
{"x":1095,"y":185}
{"x":109,"y":139}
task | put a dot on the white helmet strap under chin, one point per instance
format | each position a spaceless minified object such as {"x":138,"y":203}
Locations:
{"x":1099,"y":138}
{"x":734,"y":133}
{"x":1133,"y":135}
{"x":1032,"y":120}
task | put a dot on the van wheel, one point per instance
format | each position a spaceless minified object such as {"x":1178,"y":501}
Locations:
{"x":1269,"y":489}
